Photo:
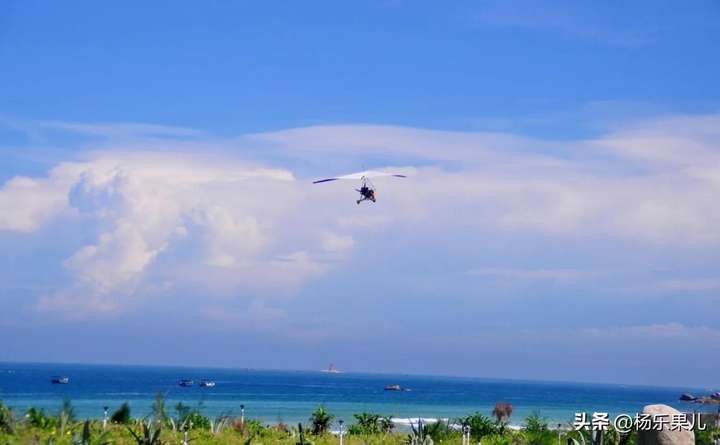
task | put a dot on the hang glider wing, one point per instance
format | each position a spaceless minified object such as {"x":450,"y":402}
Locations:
{"x":360,"y":175}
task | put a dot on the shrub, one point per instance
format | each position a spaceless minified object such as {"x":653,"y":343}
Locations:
{"x":7,"y":419}
{"x":480,"y":425}
{"x":386,"y":424}
{"x":320,"y":421}
{"x":66,"y":416}
{"x":159,"y":413}
{"x":707,"y":436}
{"x":250,"y":427}
{"x":148,"y":435}
{"x":537,"y":432}
{"x":38,"y":419}
{"x":535,"y":424}
{"x":188,"y":418}
{"x":196,"y":420}
{"x":440,"y":431}
{"x":366,"y":424}
{"x":87,"y":437}
{"x":122,"y":415}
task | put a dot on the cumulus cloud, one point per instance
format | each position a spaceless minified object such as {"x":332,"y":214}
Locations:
{"x":222,"y":225}
{"x":228,"y":226}
{"x":27,"y":203}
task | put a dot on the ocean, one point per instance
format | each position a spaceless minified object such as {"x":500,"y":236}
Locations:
{"x":291,"y":396}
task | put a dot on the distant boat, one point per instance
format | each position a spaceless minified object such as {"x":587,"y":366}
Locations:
{"x":60,"y":380}
{"x":688,"y":398}
{"x":207,"y":383}
{"x":331,"y":369}
{"x":396,"y":388}
{"x":185,"y":382}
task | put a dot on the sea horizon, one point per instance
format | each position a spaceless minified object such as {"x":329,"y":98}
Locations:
{"x":369,"y":373}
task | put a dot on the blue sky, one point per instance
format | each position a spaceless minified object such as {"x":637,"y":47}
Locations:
{"x":559,"y":220}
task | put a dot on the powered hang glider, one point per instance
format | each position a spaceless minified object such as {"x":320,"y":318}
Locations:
{"x":367,"y":189}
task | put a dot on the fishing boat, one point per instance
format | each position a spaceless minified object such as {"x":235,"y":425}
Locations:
{"x":60,"y":380}
{"x":207,"y":383}
{"x":396,"y":388}
{"x":331,"y":369}
{"x":185,"y":382}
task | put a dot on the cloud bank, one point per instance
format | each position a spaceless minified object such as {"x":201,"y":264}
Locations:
{"x":213,"y":222}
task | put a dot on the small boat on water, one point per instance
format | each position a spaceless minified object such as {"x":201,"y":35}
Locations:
{"x":60,"y":380}
{"x":688,"y":398}
{"x":207,"y":383}
{"x":185,"y":382}
{"x":331,"y":369}
{"x":396,"y":388}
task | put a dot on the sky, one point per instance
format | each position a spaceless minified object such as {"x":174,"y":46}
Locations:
{"x":559,"y":221}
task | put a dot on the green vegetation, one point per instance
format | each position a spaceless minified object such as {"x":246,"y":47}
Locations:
{"x":707,"y":437}
{"x":371,"y":423}
{"x":162,"y":428}
{"x":7,"y":420}
{"x":188,"y":418}
{"x":66,"y":417}
{"x":429,"y":433}
{"x":537,"y":430}
{"x":159,"y":413}
{"x":148,"y":434}
{"x":320,"y":421}
{"x":480,"y":426}
{"x":122,"y":415}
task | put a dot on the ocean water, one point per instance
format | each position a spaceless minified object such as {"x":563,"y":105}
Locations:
{"x":290,"y":396}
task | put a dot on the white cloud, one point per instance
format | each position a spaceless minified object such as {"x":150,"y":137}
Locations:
{"x":224,"y":226}
{"x":655,"y":181}
{"x":229,"y":237}
{"x":28,"y":203}
{"x":231,"y":226}
{"x":679,"y":141}
{"x":372,"y":140}
{"x":118,"y":258}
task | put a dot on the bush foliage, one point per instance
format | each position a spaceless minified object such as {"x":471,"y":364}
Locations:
{"x":161,"y":428}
